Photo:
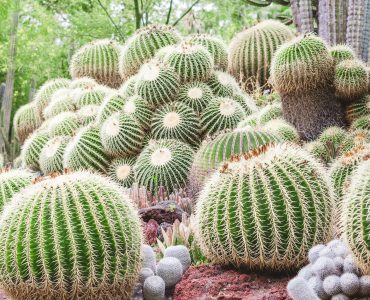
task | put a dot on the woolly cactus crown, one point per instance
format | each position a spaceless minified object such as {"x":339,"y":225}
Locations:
{"x":121,"y":170}
{"x":268,"y":35}
{"x":78,"y":235}
{"x":26,"y":120}
{"x":98,"y":60}
{"x":265,"y":210}
{"x":302,"y":64}
{"x":195,"y":95}
{"x":143,"y":45}
{"x":341,"y":52}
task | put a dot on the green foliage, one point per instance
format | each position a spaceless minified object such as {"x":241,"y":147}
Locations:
{"x":74,"y":233}
{"x":32,"y":148}
{"x":269,"y":224}
{"x":51,"y":156}
{"x":26,"y":120}
{"x":121,"y":170}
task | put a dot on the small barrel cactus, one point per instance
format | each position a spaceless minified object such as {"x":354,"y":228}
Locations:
{"x":220,"y":114}
{"x":98,"y":60}
{"x":250,"y":64}
{"x":190,"y":61}
{"x":93,"y":96}
{"x":362,"y":123}
{"x":157,"y":83}
{"x":350,"y":80}
{"x":51,"y":156}
{"x":85,"y":151}
{"x":250,"y":121}
{"x":26,"y":120}
{"x":121,"y":170}
{"x":127,"y":89}
{"x":87,"y":114}
{"x":32,"y":148}
{"x":121,"y":135}
{"x":61,"y":101}
{"x":143,"y":45}
{"x":11,"y":182}
{"x":80,"y":237}
{"x":358,"y":109}
{"x":66,"y":123}
{"x":270,"y":112}
{"x":283,"y":129}
{"x":111,"y":104}
{"x":44,"y":94}
{"x":341,"y":52}
{"x":164,"y":163}
{"x":246,"y":102}
{"x":223,"y":84}
{"x":176,"y":121}
{"x":196,"y":95}
{"x":139,"y":109}
{"x":269,"y":224}
{"x":215,"y":46}
{"x":355,"y":214}
{"x":83,"y":83}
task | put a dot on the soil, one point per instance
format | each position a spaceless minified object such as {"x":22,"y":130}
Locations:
{"x":215,"y":282}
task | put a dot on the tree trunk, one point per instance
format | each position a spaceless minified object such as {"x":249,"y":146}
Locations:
{"x":32,"y":91}
{"x":137,"y":14}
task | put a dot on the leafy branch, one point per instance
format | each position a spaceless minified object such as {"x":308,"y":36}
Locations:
{"x":112,"y":21}
{"x":186,"y":12}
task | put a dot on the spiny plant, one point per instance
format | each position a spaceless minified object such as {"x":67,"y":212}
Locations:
{"x":270,"y":225}
{"x":223,"y":148}
{"x":164,"y":163}
{"x":190,"y":61}
{"x":26,"y":120}
{"x":319,"y":151}
{"x":143,"y":45}
{"x":176,"y":121}
{"x":98,"y":60}
{"x":283,"y":129}
{"x":355,"y":214}
{"x":161,"y":53}
{"x":121,"y":135}
{"x":361,"y":123}
{"x":127,"y":89}
{"x":358,"y":109}
{"x":341,"y":52}
{"x":85,"y":151}
{"x":302,"y":71}
{"x":195,"y":95}
{"x":215,"y":46}
{"x":223,"y":84}
{"x":121,"y":170}
{"x":83,"y":83}
{"x":157,"y":83}
{"x":270,"y":112}
{"x":246,"y":101}
{"x":66,"y":123}
{"x":139,"y":109}
{"x":350,"y":80}
{"x":93,"y":96}
{"x":51,"y":156}
{"x":61,"y":101}
{"x":111,"y":104}
{"x":250,"y":64}
{"x":32,"y":148}
{"x":221,"y":113}
{"x":87,"y":114}
{"x":43,"y":95}
{"x":11,"y":182}
{"x":78,"y":237}
{"x":249,"y":121}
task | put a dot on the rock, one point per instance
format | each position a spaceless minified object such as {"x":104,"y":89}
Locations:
{"x":164,"y":211}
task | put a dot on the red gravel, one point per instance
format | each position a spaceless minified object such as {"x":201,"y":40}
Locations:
{"x":214,"y":282}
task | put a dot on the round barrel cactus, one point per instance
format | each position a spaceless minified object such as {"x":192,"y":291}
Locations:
{"x":51,"y":156}
{"x":223,"y":84}
{"x":225,"y":146}
{"x":11,"y":182}
{"x":76,"y":236}
{"x":127,"y":89}
{"x":215,"y":46}
{"x":83,"y":83}
{"x":176,"y":121}
{"x":265,"y":209}
{"x":98,"y":60}
{"x":355,"y":216}
{"x":164,"y":163}
{"x":250,"y":121}
{"x":221,"y":113}
{"x":143,"y":45}
{"x":341,"y":52}
{"x":283,"y":129}
{"x":121,"y":170}
{"x":139,"y":109}
{"x":26,"y":120}
{"x":43,"y":95}
{"x":66,"y":123}
{"x":249,"y":63}
{"x":360,"y":108}
{"x":270,"y":112}
{"x":61,"y":101}
{"x":111,"y":104}
{"x":361,"y":123}
{"x":246,"y":101}
{"x":32,"y":148}
{"x":93,"y":96}
{"x":121,"y":135}
{"x":195,"y":95}
{"x":85,"y":151}
{"x":190,"y":61}
{"x":87,"y":114}
{"x":157,"y":83}
{"x":350,"y":80}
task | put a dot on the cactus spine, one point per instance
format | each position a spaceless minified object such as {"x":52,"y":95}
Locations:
{"x":195,"y":95}
{"x":87,"y":114}
{"x":32,"y":147}
{"x":26,"y":120}
{"x":83,"y":83}
{"x":65,"y":123}
{"x":61,"y":101}
{"x":78,"y":237}
{"x":265,"y":210}
{"x":139,"y":109}
{"x":111,"y":104}
{"x":341,"y":52}
{"x":90,"y":97}
{"x":51,"y":156}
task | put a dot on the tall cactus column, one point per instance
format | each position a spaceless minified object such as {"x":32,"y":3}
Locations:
{"x":302,"y":72}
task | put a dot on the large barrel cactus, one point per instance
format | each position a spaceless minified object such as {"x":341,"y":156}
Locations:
{"x":26,"y":120}
{"x":143,"y":45}
{"x":356,"y":215}
{"x":265,"y":209}
{"x":99,"y":60}
{"x":76,"y":236}
{"x":250,"y":63}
